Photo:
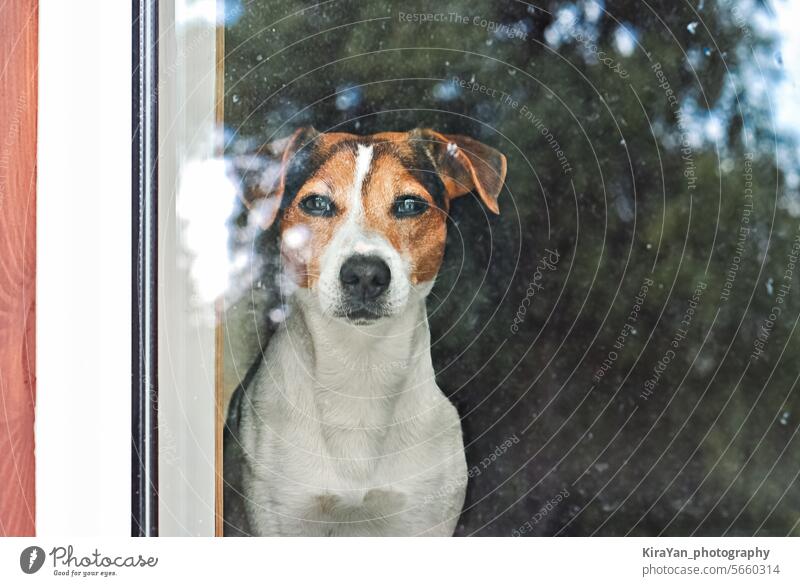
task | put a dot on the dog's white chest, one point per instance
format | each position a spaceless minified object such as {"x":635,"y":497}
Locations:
{"x":384,"y":480}
{"x":361,"y":448}
{"x":407,"y":478}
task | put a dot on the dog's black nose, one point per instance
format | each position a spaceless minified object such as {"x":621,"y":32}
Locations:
{"x":364,"y":278}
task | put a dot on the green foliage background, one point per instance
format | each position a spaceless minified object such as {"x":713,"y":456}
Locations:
{"x":714,"y":449}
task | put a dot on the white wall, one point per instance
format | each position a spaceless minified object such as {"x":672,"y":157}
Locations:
{"x":83,"y":333}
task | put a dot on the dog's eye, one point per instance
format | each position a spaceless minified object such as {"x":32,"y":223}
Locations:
{"x":407,"y":206}
{"x":318,"y":205}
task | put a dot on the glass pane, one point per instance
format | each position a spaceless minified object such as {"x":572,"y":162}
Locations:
{"x":493,"y":268}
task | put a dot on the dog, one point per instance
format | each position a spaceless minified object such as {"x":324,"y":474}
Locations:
{"x":340,"y":429}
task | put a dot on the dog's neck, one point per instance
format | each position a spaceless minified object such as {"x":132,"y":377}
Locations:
{"x":372,"y":360}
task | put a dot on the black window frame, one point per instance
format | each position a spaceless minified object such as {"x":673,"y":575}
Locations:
{"x":144,"y":363}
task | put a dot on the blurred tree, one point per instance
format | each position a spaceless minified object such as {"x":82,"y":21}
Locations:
{"x":642,"y":148}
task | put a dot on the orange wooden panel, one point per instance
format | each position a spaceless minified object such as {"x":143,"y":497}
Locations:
{"x":18,"y":101}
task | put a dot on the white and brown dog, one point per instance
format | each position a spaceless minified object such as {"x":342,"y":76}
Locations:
{"x":343,"y":430}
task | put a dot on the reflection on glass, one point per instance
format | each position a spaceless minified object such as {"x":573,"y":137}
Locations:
{"x":618,"y":341}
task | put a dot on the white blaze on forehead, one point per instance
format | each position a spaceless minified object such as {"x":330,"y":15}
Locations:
{"x":352,"y":237}
{"x":362,"y":247}
{"x":363,"y":162}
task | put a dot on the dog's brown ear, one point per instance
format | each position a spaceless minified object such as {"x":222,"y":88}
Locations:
{"x":263,"y":174}
{"x":282,"y":151}
{"x":465,"y":164}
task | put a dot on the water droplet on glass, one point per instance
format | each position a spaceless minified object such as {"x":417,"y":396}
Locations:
{"x":277,"y":315}
{"x":707,"y":51}
{"x":296,"y":236}
{"x":770,"y":287}
{"x":235,"y":99}
{"x":625,"y":40}
{"x":349,"y":98}
{"x":446,"y":91}
{"x":692,"y":27}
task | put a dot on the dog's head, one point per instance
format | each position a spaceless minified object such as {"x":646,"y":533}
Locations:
{"x":363,"y":218}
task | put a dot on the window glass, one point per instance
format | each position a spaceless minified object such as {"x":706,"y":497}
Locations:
{"x":617,"y":341}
